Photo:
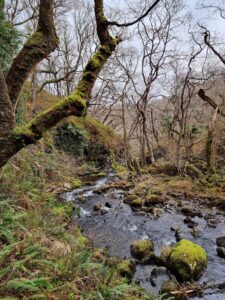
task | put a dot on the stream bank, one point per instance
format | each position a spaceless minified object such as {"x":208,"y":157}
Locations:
{"x":112,"y":224}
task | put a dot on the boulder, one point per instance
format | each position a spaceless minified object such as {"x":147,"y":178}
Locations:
{"x":187,"y":260}
{"x":142,"y":249}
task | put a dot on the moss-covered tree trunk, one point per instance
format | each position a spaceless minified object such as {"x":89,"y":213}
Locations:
{"x":41,"y":43}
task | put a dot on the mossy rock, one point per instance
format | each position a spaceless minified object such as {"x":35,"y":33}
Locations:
{"x":142,"y":249}
{"x":126,"y":268}
{"x":187,"y":260}
{"x":130,"y":198}
{"x":153,"y":199}
{"x":137,"y":203}
{"x":139,"y":191}
{"x":168,"y":287}
{"x":97,"y":207}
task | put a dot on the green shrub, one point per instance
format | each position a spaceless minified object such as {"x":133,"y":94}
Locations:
{"x":88,"y":138}
{"x":71,"y":139}
{"x":9,"y":42}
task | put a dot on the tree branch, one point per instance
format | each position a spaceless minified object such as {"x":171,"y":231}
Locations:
{"x":207,"y":99}
{"x":135,"y":21}
{"x":75,"y":104}
{"x":207,"y":42}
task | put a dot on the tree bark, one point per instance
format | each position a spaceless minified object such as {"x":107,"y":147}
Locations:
{"x":33,"y":90}
{"x":210,"y":144}
{"x":39,"y":46}
{"x":7,"y":121}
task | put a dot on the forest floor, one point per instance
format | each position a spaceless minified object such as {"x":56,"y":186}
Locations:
{"x":43,"y":254}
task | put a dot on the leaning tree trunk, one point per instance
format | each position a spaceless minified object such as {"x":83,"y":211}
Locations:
{"x":41,"y":43}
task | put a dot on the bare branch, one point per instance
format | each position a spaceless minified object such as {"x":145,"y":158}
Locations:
{"x":208,"y":43}
{"x":207,"y":99}
{"x":137,"y":20}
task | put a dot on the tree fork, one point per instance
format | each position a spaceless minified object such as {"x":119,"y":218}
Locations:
{"x":75,"y":104}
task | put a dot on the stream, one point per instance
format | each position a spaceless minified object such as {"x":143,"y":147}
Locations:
{"x":117,"y":225}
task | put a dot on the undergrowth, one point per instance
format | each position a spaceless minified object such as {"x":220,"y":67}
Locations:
{"x":43,"y":255}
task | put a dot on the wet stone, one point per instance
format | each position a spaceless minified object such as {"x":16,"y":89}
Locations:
{"x":220,"y":241}
{"x":107,"y":204}
{"x":192,"y":224}
{"x":104,"y":211}
{"x":187,"y":220}
{"x":175,"y":228}
{"x":196,"y":232}
{"x":190,"y":211}
{"x":97,"y":207}
{"x":178,"y":235}
{"x":158,"y":276}
{"x":213,"y":222}
{"x":220,"y":252}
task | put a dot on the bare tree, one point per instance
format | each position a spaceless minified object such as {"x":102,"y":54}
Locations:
{"x":156,"y":35}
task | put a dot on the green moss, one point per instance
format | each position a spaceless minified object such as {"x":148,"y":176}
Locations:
{"x":103,"y":19}
{"x":153,"y":199}
{"x":187,"y":260}
{"x":130,"y":198}
{"x":22,"y":131}
{"x":74,"y":99}
{"x":98,"y":59}
{"x":139,"y":191}
{"x":141,"y":249}
{"x":137,"y":203}
{"x":36,"y":39}
{"x":73,"y":182}
{"x":168,"y":287}
{"x":117,"y":168}
{"x":126,"y":268}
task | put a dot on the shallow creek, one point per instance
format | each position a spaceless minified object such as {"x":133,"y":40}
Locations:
{"x":117,"y":226}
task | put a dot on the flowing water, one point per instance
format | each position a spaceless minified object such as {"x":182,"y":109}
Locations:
{"x":117,"y":225}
